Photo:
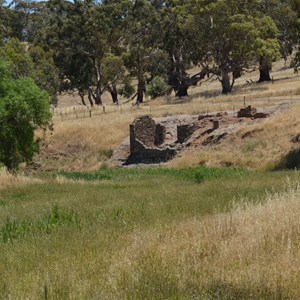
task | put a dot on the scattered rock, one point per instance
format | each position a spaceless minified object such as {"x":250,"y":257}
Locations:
{"x":250,"y":112}
{"x":247,"y":112}
{"x":296,"y":139}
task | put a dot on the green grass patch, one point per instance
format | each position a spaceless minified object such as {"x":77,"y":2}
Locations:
{"x":15,"y":229}
{"x":198,"y":174}
{"x":66,"y":235}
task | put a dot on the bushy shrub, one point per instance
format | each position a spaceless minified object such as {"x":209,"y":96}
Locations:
{"x":157,"y":87}
{"x":127,"y":88}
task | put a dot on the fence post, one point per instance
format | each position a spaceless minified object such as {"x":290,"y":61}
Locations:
{"x":45,"y":292}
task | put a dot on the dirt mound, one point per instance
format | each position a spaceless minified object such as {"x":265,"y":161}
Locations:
{"x":157,"y":140}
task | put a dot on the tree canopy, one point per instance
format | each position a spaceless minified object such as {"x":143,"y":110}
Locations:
{"x":23,"y":107}
{"x":94,"y":47}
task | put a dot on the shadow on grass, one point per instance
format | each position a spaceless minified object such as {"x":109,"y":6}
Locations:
{"x":166,"y":287}
{"x":290,"y":161}
{"x":220,"y":290}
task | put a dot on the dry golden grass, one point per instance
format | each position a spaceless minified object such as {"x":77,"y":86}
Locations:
{"x":81,"y":142}
{"x":86,"y":143}
{"x":251,"y":252}
{"x":8,"y":180}
{"x":261,"y":146}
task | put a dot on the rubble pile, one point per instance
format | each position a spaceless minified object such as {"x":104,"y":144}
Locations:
{"x":157,"y":140}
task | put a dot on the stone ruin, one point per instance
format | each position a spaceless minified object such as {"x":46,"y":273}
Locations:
{"x":158,"y":140}
{"x":250,"y":112}
{"x":146,"y":142}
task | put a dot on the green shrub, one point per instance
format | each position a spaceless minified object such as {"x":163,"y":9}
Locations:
{"x":157,"y":87}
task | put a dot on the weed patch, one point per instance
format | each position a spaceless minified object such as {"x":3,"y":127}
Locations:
{"x":16,"y":229}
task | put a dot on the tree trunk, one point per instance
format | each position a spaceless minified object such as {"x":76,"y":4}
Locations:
{"x":264,"y":71}
{"x":225,"y":81}
{"x":82,"y":98}
{"x":97,"y":97}
{"x":98,"y":100}
{"x":174,"y":81}
{"x":114,"y":94}
{"x":177,"y":75}
{"x":182,"y":90}
{"x":141,"y":86}
{"x":180,"y":81}
{"x":140,"y":91}
{"x":90,"y":99}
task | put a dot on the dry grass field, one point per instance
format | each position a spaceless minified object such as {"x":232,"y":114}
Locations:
{"x":214,"y":223}
{"x":80,"y":142}
{"x":8,"y":180}
{"x":250,"y":253}
{"x":262,"y":146}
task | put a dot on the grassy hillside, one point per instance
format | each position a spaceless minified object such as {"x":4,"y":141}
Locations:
{"x":80,"y":142}
{"x":134,"y":234}
{"x":263,"y":146}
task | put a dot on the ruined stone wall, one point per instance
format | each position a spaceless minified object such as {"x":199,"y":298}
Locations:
{"x":145,"y":138}
{"x":142,"y":134}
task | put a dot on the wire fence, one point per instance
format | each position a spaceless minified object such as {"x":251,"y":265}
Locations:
{"x":83,"y":112}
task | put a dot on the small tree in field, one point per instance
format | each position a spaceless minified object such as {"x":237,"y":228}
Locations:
{"x":23,"y":108}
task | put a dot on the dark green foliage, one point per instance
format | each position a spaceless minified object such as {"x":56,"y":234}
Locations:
{"x":95,"y":44}
{"x":31,"y":62}
{"x":23,"y":107}
{"x":297,"y":58}
{"x":126,"y":89}
{"x":44,"y":73}
{"x":156,"y":87}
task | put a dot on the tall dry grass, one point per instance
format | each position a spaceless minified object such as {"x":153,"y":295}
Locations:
{"x":146,"y":234}
{"x":84,"y":144}
{"x":8,"y":180}
{"x":252,"y":252}
{"x":262,"y":146}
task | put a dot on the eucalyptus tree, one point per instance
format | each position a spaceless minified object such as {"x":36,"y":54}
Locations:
{"x":231,"y":37}
{"x":266,"y":46}
{"x":30,"y":15}
{"x":296,"y":5}
{"x":33,"y":62}
{"x":85,"y":37}
{"x":284,"y":16}
{"x":180,"y":45}
{"x":144,"y":38}
{"x":10,"y":25}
